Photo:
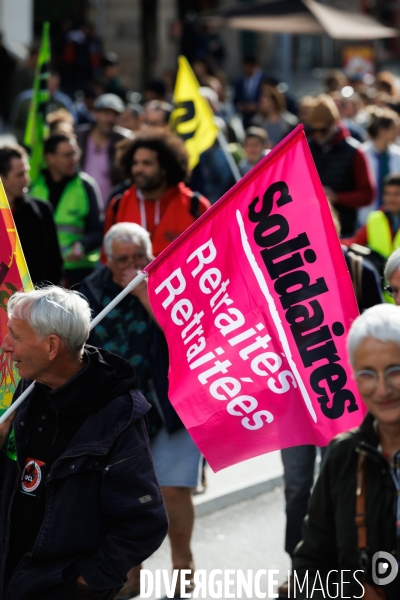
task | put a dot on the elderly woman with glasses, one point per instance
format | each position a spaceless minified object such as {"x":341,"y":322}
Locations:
{"x":392,"y":276}
{"x":351,"y":535}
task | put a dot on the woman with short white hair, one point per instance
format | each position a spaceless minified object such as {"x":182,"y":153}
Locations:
{"x":354,"y":512}
{"x":392,"y":276}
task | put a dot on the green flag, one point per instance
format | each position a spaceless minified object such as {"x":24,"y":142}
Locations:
{"x":36,"y":127}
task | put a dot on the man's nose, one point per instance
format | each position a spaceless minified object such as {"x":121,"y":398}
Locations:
{"x":6,"y":346}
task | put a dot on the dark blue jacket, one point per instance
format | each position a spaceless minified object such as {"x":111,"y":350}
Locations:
{"x":104,"y":510}
{"x":242,"y":95}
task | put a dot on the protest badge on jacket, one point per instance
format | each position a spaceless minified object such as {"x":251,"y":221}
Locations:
{"x":255,"y":300}
{"x":14,"y":276}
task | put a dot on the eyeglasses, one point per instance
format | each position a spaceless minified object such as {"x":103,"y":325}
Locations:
{"x":367,"y":380}
{"x":392,"y":291}
{"x":322,"y":130}
{"x":124,"y":260}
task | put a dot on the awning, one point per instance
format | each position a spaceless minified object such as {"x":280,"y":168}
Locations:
{"x":303,"y":17}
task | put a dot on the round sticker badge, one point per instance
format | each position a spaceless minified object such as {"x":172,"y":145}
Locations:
{"x":32,"y":475}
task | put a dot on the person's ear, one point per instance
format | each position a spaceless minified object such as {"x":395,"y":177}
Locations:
{"x":53,"y":346}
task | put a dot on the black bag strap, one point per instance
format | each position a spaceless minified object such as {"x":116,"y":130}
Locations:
{"x":194,"y":205}
{"x":356,"y":268}
{"x":115,"y":207}
{"x":360,"y":503}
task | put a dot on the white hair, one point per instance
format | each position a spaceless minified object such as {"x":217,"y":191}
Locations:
{"x":54,"y":310}
{"x":127,"y":232}
{"x":381,"y":322}
{"x":392,"y":264}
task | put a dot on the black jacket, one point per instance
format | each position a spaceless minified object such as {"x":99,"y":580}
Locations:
{"x":342,"y":166}
{"x":329,"y":530}
{"x":38,"y":235}
{"x":104,"y":511}
{"x":371,"y":291}
{"x":92,"y":288}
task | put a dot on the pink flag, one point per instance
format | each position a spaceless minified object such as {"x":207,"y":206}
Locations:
{"x":255,"y":300}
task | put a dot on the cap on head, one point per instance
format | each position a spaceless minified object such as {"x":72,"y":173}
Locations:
{"x":257,"y":132}
{"x":324,"y":110}
{"x":109,"y":101}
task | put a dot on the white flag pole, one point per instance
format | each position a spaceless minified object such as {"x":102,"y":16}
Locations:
{"x":131,"y":286}
{"x":134,"y":283}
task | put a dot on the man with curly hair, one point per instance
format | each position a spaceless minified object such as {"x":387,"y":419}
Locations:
{"x":158,"y":199}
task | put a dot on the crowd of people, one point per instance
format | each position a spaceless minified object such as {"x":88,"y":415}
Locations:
{"x":116,"y":190}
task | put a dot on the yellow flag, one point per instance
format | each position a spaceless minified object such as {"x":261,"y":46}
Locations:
{"x":192,"y":117}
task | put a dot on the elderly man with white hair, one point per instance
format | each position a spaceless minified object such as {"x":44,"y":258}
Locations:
{"x":131,"y":331}
{"x":353,"y":524}
{"x":392,"y":276}
{"x":80,"y":503}
{"x":126,"y":330}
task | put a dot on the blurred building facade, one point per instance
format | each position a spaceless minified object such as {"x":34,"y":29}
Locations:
{"x":149,"y":34}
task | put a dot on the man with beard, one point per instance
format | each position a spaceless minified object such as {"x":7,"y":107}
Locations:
{"x":158,"y":200}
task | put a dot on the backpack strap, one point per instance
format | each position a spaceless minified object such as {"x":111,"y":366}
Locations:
{"x":371,"y":592}
{"x":356,"y":269}
{"x":360,"y":503}
{"x":194,"y":205}
{"x":115,"y":207}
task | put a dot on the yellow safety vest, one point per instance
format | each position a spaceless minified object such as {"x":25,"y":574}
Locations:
{"x":379,"y":238}
{"x":69,"y":218}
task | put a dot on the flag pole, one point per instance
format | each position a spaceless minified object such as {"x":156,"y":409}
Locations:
{"x":230,"y":160}
{"x":131,"y":286}
{"x":36,"y":127}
